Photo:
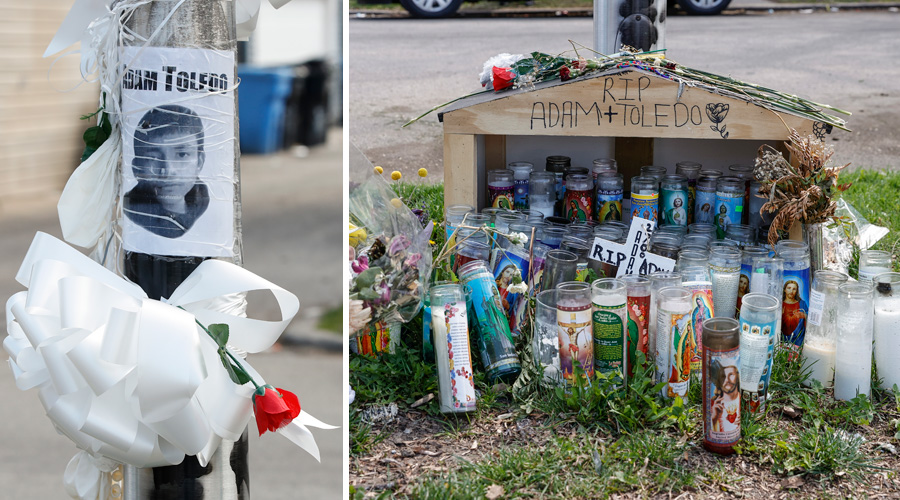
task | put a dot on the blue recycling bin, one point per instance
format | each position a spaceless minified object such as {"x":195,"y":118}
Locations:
{"x":262,"y":99}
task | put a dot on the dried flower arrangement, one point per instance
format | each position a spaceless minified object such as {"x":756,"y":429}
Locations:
{"x":804,"y":193}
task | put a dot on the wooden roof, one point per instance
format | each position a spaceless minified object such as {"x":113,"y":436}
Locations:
{"x":627,"y":102}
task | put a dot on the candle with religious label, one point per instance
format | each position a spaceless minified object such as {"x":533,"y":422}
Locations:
{"x":545,"y":341}
{"x":705,"y":200}
{"x":456,"y":381}
{"x":521,"y":174}
{"x":853,"y":358}
{"x":500,"y":188}
{"x":495,"y":342}
{"x":691,"y":171}
{"x":637,"y":291}
{"x":725,"y":271}
{"x":759,"y":316}
{"x":694,"y":269}
{"x":821,"y":331}
{"x":887,"y":329}
{"x":721,"y":385}
{"x":645,"y":197}
{"x":673,"y":339}
{"x":673,"y":200}
{"x":579,"y":199}
{"x":729,"y":205}
{"x":872,"y":263}
{"x":795,"y":294}
{"x":610,"y":189}
{"x":659,"y":280}
{"x":609,"y":298}
{"x":576,"y":336}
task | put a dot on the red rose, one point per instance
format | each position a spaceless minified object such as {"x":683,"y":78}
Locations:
{"x":274,"y":408}
{"x":503,"y":77}
{"x":564,"y":73}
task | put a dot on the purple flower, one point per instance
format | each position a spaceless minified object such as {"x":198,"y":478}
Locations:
{"x":398,"y":244}
{"x":413,"y":259}
{"x":360,"y":264}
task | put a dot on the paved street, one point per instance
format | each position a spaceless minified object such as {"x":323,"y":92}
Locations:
{"x":402,"y":67}
{"x":292,"y":230}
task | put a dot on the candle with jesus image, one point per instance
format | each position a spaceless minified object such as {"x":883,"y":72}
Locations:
{"x":721,"y":385}
{"x":576,"y":338}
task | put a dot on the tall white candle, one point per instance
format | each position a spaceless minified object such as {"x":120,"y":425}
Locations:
{"x":853,"y":356}
{"x":887,"y":344}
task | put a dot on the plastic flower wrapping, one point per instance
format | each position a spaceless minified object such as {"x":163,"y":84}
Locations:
{"x":392,"y":264}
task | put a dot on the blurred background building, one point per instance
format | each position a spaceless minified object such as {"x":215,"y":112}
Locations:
{"x":291,"y":95}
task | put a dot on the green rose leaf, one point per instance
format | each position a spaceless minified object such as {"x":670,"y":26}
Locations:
{"x":219,"y":333}
{"x":367,"y":278}
{"x":237,"y":374}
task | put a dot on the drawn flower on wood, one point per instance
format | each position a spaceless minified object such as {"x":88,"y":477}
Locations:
{"x":716,"y":112}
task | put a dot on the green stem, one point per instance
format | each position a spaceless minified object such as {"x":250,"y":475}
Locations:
{"x":233,"y":358}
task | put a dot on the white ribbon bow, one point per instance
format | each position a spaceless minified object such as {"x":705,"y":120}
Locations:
{"x":131,"y":378}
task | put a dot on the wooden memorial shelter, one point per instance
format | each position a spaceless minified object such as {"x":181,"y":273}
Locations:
{"x":633,"y":115}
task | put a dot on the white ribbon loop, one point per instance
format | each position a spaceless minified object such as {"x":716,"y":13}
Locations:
{"x":130,"y":378}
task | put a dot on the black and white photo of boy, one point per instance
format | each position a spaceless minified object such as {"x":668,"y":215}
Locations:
{"x":169,"y":196}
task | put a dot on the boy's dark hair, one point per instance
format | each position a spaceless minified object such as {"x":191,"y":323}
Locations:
{"x":162,"y":121}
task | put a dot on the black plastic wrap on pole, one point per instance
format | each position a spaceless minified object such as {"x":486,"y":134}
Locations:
{"x":194,"y":28}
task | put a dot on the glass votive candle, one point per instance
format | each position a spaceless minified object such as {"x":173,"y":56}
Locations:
{"x":821,"y":330}
{"x":725,"y":271}
{"x":637,"y":291}
{"x":500,"y":188}
{"x":705,"y":200}
{"x":673,"y":340}
{"x":673,"y":200}
{"x":887,"y":329}
{"x":608,"y":298}
{"x":691,"y":171}
{"x":521,"y":174}
{"x":729,"y":203}
{"x":559,"y":266}
{"x":644,"y":197}
{"x":659,"y":280}
{"x":456,"y":382}
{"x":853,"y":356}
{"x":610,"y":189}
{"x":872,"y":263}
{"x":576,"y":337}
{"x":542,"y":192}
{"x":758,"y":318}
{"x":545,"y":342}
{"x":579,"y":197}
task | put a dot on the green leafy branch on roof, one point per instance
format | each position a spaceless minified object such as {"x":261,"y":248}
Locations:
{"x":541,"y":67}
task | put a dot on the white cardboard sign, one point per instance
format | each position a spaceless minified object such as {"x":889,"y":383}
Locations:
{"x":633,"y":257}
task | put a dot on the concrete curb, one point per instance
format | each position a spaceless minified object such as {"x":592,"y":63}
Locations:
{"x":588,"y":12}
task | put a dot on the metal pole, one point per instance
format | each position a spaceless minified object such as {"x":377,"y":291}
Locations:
{"x":188,"y":24}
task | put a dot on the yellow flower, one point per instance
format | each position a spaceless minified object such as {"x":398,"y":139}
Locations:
{"x":431,"y":242}
{"x":423,"y":172}
{"x":379,"y":170}
{"x":357,"y":235}
{"x":395,"y":175}
{"x":397,"y":203}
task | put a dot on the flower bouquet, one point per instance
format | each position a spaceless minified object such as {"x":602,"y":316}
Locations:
{"x":389,"y":268}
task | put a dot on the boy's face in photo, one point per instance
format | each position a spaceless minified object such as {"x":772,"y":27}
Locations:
{"x":171,"y":164}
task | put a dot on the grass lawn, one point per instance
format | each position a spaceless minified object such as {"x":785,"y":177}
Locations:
{"x":529,"y":441}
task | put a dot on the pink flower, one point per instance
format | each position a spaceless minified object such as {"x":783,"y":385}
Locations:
{"x":413,"y":259}
{"x":360,"y":265}
{"x":398,"y":244}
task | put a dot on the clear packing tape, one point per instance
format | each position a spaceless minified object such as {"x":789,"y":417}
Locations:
{"x":133,"y":379}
